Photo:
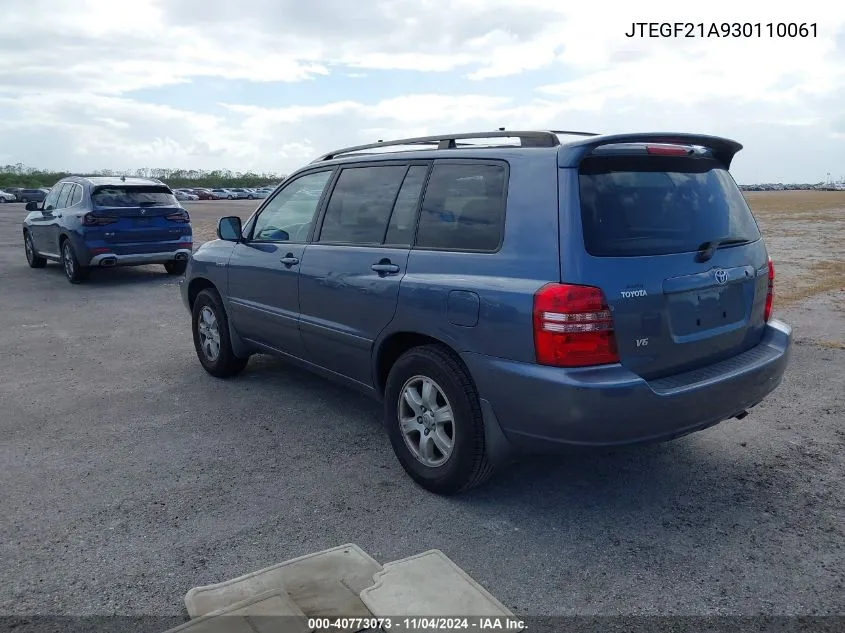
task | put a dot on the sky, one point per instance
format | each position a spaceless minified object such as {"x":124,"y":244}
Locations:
{"x":268,"y":85}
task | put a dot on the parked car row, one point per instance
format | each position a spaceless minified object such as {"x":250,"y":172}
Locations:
{"x":233,"y":193}
{"x":21,"y":194}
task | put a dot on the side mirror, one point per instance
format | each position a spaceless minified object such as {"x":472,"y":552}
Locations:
{"x":32,"y":205}
{"x":229,"y":228}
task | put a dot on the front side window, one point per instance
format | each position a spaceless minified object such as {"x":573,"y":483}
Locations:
{"x":53,"y":197}
{"x":463,"y":208}
{"x":133,"y":196}
{"x":361,"y":203}
{"x":289,"y":215}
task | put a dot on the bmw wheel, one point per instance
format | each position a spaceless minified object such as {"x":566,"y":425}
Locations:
{"x":74,"y":272}
{"x":176,"y":267}
{"x":433,"y":418}
{"x":33,"y":259}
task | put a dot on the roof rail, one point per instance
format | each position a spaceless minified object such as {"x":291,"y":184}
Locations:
{"x":541,"y":138}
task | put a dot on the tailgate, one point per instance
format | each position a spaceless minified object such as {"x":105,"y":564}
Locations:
{"x":667,"y":236}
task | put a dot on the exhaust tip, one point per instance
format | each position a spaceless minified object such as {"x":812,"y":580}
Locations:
{"x":108,"y":262}
{"x":181,"y":257}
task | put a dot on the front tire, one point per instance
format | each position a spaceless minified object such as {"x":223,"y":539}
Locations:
{"x":433,"y":418}
{"x":33,"y":259}
{"x":210,"y":327}
{"x":175,"y":267}
{"x":74,"y":272}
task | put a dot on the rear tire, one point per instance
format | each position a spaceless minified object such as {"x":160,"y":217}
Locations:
{"x":33,"y":259}
{"x":435,"y":380}
{"x":210,"y":327}
{"x":176,"y":267}
{"x":74,"y":272}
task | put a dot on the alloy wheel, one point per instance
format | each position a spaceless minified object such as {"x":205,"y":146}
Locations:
{"x":209,"y":332}
{"x":427,"y":422}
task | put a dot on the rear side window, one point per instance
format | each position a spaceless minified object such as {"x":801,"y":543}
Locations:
{"x":133,"y":196}
{"x":76,"y":198}
{"x":640,"y":206}
{"x":65,"y":195}
{"x":463,"y":208}
{"x":404,"y":218}
{"x":359,"y":209}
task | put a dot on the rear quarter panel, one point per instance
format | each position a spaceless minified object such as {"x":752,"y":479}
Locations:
{"x":483,"y":302}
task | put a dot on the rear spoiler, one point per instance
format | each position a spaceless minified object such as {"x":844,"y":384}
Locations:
{"x":723,"y":149}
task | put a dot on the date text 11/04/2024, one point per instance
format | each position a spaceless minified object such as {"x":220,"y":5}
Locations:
{"x":723,"y":29}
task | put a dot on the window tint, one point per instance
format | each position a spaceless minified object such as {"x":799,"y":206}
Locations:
{"x":64,"y":194}
{"x":463,"y":207}
{"x":76,"y":197}
{"x":656,"y":206}
{"x":359,"y":209}
{"x":133,"y":196}
{"x":289,"y":215}
{"x":52,"y":197}
{"x":404,"y":218}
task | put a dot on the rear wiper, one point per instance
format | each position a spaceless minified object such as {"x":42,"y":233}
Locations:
{"x":708,"y":249}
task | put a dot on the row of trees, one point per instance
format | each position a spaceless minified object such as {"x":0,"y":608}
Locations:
{"x":20,"y":175}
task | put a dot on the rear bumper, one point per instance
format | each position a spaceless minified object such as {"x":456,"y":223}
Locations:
{"x":541,"y":408}
{"x":137,"y":259}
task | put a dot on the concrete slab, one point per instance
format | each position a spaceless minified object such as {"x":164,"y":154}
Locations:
{"x":429,"y":584}
{"x":269,"y":612}
{"x":320,"y":584}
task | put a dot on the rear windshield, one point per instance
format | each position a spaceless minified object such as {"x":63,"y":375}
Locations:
{"x":635,"y":206}
{"x":133,"y":196}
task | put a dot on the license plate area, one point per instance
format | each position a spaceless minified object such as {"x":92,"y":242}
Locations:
{"x":706,"y":309}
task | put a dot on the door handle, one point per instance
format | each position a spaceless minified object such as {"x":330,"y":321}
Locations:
{"x":384,"y":267}
{"x":289,"y":260}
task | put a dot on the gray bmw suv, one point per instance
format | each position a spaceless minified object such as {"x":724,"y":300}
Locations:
{"x":503,"y":297}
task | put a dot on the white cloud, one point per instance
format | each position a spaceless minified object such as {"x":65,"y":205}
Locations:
{"x":517,"y":63}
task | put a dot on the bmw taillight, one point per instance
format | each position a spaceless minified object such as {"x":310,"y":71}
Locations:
{"x":770,"y":294}
{"x":90,"y":219}
{"x":179,"y":216}
{"x":573,"y":326}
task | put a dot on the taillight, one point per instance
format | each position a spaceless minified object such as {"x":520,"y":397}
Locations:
{"x":179,"y":216}
{"x":573,"y":326}
{"x":770,"y":294}
{"x":89,"y":219}
{"x":668,"y":150}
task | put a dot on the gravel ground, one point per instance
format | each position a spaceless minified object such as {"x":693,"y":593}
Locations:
{"x":129,"y":475}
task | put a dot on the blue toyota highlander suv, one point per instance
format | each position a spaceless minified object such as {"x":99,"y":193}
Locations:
{"x":505,"y":296}
{"x":100,"y":222}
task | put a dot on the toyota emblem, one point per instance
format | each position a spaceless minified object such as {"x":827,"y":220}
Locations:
{"x":721,"y":276}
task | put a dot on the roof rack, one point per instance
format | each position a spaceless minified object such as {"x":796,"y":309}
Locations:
{"x":542,"y":138}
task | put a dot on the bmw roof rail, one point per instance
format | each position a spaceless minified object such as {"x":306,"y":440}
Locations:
{"x":535,"y":138}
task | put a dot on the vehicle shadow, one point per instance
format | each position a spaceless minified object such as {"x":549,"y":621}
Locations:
{"x":120,"y":275}
{"x":706,"y":473}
